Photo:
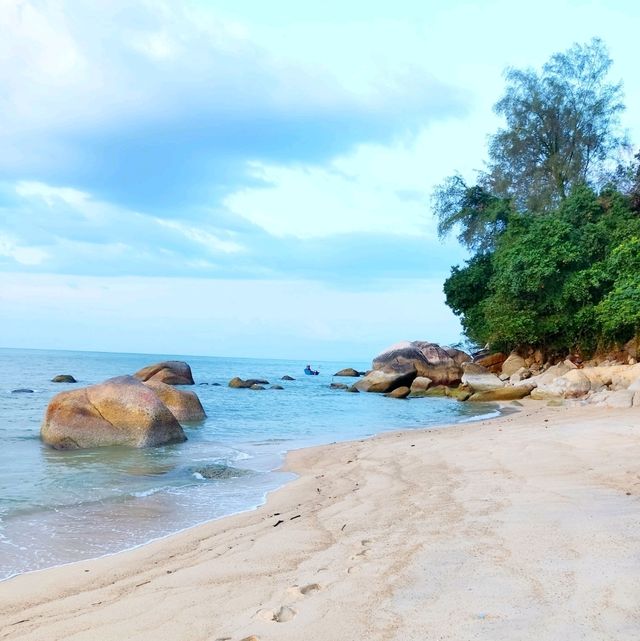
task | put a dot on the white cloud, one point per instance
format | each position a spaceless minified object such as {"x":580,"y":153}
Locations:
{"x":23,"y":255}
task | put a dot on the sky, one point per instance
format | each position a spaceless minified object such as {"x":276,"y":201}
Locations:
{"x":244,"y":178}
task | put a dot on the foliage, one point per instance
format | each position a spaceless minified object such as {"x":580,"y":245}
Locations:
{"x":562,"y":126}
{"x":480,"y":216}
{"x":556,"y":263}
{"x":565,"y":280}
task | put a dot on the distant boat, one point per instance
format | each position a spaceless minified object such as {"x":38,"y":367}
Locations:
{"x":310,"y":372}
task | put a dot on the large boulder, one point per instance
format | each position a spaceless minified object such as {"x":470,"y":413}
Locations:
{"x":185,"y":406}
{"x":168,"y":372}
{"x":492,"y":362}
{"x":119,"y":411}
{"x":383,"y":382}
{"x":348,"y":371}
{"x":479,"y":378}
{"x":427,"y":359}
{"x":513,"y":363}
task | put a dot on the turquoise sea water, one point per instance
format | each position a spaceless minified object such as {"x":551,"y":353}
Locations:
{"x":58,"y":507}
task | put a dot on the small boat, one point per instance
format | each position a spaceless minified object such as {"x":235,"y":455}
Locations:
{"x":310,"y":372}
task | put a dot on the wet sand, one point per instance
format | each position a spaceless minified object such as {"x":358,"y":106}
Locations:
{"x":520,"y":528}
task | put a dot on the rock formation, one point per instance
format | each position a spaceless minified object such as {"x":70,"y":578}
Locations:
{"x":119,"y":411}
{"x":168,"y":372}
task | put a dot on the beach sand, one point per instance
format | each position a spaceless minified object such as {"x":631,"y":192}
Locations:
{"x":521,"y":528}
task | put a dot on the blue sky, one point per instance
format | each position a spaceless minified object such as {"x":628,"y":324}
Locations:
{"x":252,"y":179}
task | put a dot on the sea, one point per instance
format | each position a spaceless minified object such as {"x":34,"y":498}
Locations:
{"x":57,"y":507}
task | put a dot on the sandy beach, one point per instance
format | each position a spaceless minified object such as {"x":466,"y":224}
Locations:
{"x":523,"y":527}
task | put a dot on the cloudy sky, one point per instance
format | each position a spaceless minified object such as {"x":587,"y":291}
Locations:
{"x":252,"y":178}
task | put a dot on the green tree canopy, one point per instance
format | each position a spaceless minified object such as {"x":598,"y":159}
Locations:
{"x":562,"y":126}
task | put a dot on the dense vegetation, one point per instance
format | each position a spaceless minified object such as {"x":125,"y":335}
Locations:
{"x":553,"y":224}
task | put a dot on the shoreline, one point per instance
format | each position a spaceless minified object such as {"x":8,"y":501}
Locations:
{"x":264,"y":572}
{"x":280,"y":467}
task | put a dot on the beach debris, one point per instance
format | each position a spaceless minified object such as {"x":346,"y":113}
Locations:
{"x":169,"y":372}
{"x":297,"y":516}
{"x":63,"y":378}
{"x":278,"y":522}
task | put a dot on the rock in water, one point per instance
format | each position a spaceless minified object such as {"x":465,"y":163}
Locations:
{"x":168,"y":372}
{"x":22,"y":390}
{"x":286,"y":377}
{"x":63,"y":378}
{"x":382,"y":382}
{"x":399,"y":392}
{"x":185,"y":406}
{"x":120,"y":411}
{"x":348,"y":371}
{"x":237,"y":382}
{"x":429,"y":360}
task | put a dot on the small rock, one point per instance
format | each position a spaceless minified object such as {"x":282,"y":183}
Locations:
{"x":349,"y":371}
{"x":63,"y":378}
{"x":276,"y":387}
{"x":338,"y":386}
{"x":399,"y":392}
{"x":286,"y":377}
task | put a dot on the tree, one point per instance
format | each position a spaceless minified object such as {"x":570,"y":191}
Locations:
{"x":562,"y":126}
{"x":480,"y":216}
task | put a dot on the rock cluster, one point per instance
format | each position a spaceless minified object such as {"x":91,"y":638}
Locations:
{"x":137,"y":411}
{"x":120,"y":411}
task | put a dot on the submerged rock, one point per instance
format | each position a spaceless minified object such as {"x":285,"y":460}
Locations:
{"x":168,"y":372}
{"x":63,"y":378}
{"x":239,"y":383}
{"x":286,"y":377}
{"x":120,"y":411}
{"x":22,"y":390}
{"x":220,"y":472}
{"x":276,"y":387}
{"x":338,"y":386}
{"x":185,"y":406}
